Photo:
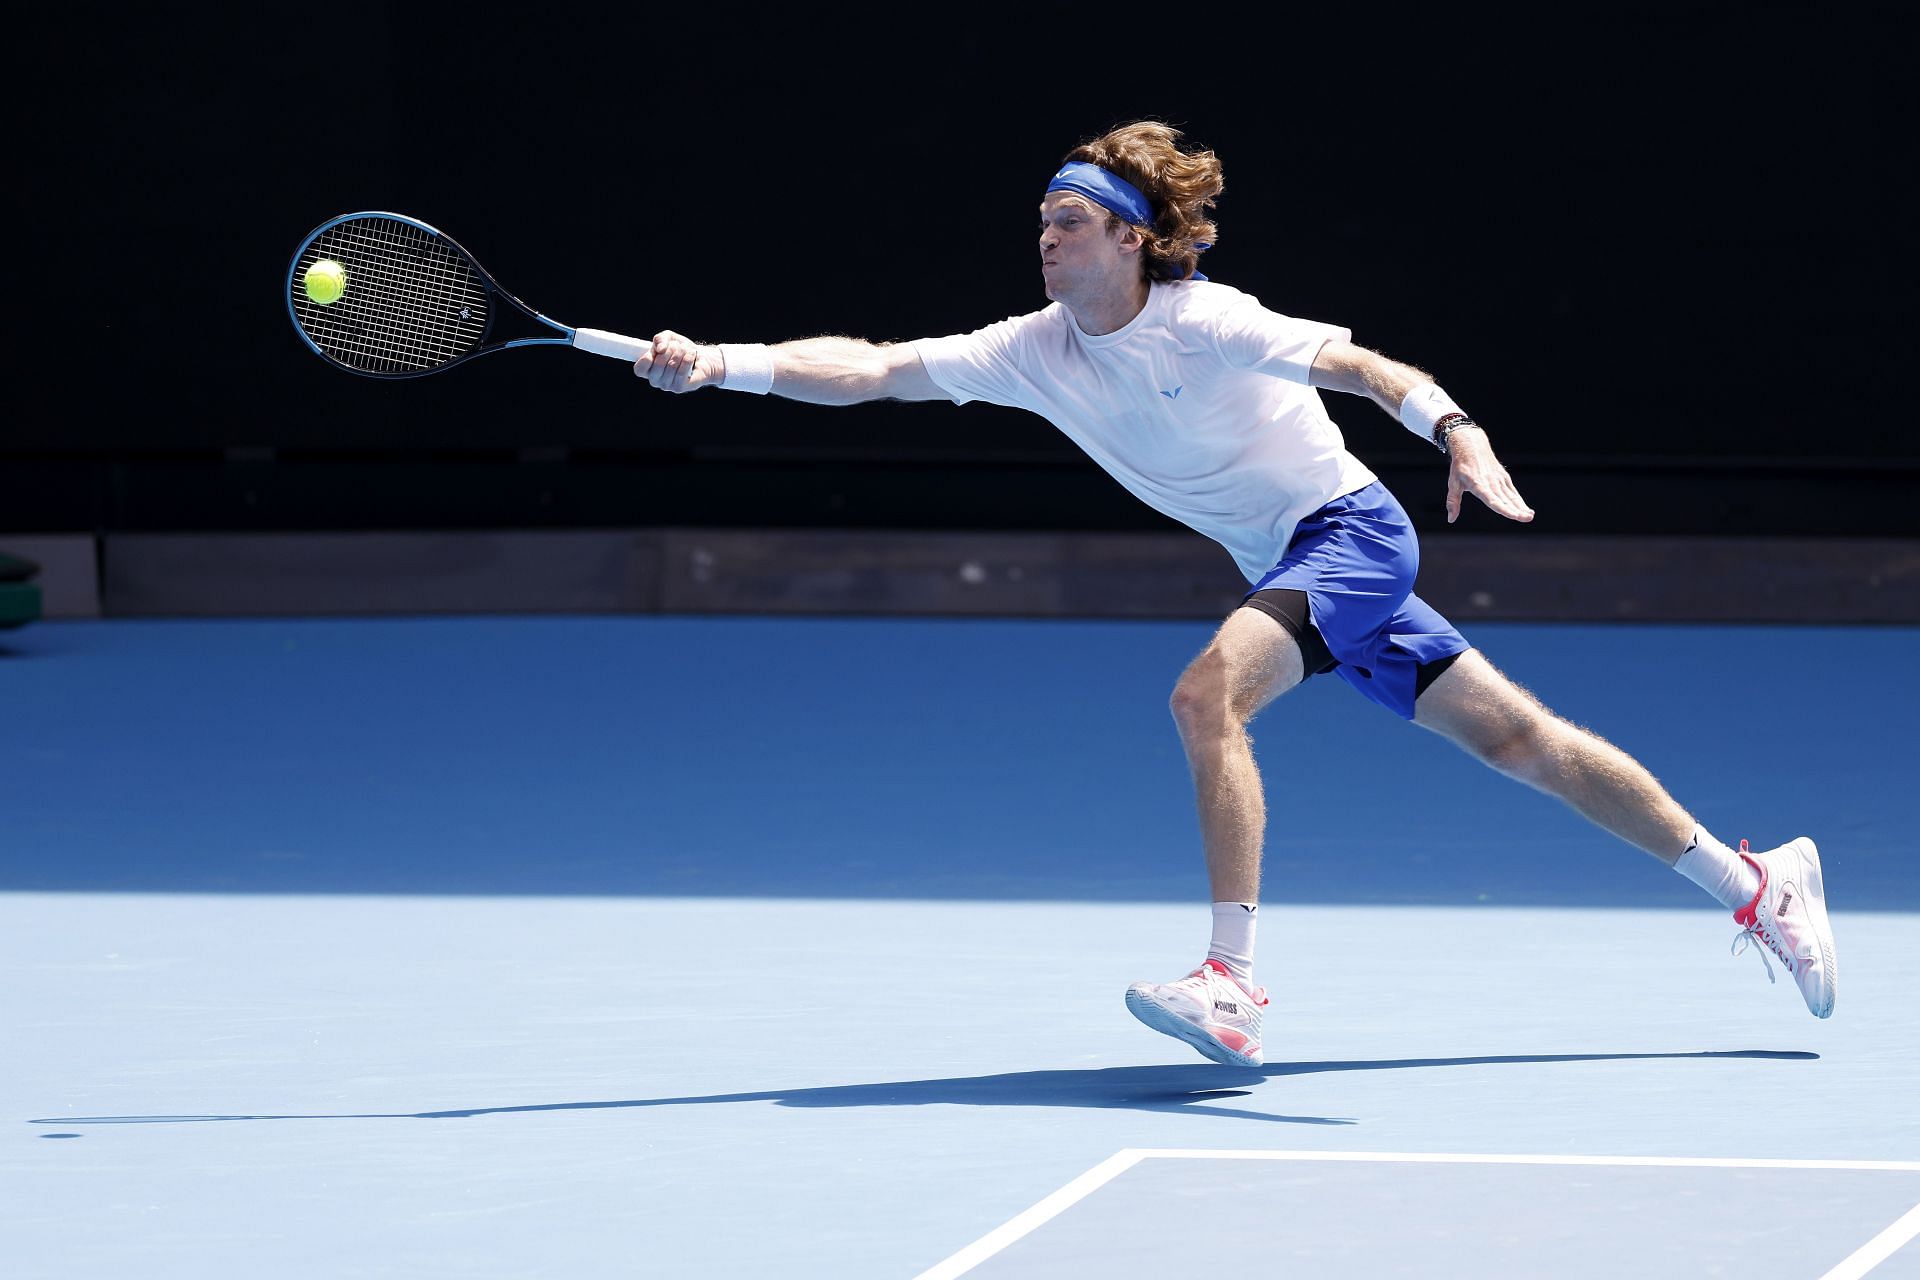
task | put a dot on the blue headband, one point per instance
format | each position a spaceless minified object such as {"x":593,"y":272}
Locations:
{"x":1113,"y":193}
{"x":1108,"y":190}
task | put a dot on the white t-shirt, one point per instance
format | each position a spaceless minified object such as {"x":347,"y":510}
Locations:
{"x":1199,"y":406}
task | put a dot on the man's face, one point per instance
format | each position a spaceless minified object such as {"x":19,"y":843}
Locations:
{"x":1080,"y":258}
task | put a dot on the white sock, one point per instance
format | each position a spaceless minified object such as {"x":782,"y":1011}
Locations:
{"x":1718,"y":870}
{"x":1232,"y":943}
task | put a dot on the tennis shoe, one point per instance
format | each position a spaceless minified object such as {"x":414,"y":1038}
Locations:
{"x":1789,"y":918}
{"x":1208,"y":1009}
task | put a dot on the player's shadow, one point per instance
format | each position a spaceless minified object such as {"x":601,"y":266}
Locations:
{"x":1188,"y":1089}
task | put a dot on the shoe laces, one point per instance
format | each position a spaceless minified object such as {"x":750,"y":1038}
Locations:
{"x":1765,"y":939}
{"x":1744,"y":941}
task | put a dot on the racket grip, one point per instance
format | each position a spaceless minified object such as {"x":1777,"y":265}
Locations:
{"x":619,"y":346}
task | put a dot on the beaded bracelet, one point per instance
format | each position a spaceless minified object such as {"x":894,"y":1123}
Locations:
{"x":1447,"y":426}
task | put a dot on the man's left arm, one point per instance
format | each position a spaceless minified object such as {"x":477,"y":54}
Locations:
{"x":1412,"y":399}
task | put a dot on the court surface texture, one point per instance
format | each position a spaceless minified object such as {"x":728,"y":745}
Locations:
{"x":729,"y":947}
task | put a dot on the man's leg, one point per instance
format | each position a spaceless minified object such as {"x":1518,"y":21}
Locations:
{"x":1476,"y":707}
{"x":1779,"y":895}
{"x":1251,"y":660}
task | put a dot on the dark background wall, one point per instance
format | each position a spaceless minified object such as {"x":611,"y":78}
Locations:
{"x":1654,"y":247}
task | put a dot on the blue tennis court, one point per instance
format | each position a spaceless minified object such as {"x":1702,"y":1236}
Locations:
{"x":700,"y":946}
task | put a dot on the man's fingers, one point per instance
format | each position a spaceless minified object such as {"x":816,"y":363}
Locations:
{"x":649,"y":362}
{"x":1503,"y":499}
{"x":1453,"y":497}
{"x":1512,"y":509}
{"x":1514,"y":506}
{"x":1521,"y":511}
{"x":664,"y":365}
{"x":664,"y":371}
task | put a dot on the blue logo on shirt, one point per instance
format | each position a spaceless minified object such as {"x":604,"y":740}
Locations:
{"x":1175,"y":393}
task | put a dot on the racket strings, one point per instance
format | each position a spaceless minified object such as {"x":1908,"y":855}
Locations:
{"x":412,"y":301}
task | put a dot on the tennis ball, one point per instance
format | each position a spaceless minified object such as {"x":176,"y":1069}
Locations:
{"x":326,"y":280}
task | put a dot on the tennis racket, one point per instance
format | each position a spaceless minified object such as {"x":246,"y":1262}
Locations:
{"x":414,"y":302}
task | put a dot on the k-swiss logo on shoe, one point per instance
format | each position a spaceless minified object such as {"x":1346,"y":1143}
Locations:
{"x":1175,"y":393}
{"x":1223,"y":1006}
{"x":1786,"y":900}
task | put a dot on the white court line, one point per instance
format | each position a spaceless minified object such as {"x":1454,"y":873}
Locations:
{"x":1879,"y":1249}
{"x":1858,"y":1264}
{"x":1019,"y":1225}
{"x":1443,"y":1157}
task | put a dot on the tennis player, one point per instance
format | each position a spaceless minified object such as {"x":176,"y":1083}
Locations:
{"x":1205,"y":404}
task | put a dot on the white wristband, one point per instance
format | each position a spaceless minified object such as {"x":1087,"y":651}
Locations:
{"x":749,"y":368}
{"x":1425,"y":405}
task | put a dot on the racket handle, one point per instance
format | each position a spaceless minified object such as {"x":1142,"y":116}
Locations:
{"x":602,"y":343}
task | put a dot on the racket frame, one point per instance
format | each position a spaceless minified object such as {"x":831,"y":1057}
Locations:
{"x":567,"y":332}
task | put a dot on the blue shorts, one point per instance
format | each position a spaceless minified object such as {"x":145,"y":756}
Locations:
{"x":1355,"y":559}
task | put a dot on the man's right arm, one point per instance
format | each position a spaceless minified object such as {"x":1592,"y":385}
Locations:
{"x":828,"y":370}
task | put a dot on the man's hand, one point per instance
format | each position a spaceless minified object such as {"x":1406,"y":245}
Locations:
{"x":1476,"y":471}
{"x":678,"y":364}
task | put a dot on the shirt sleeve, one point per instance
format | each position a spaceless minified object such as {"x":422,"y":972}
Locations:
{"x":1252,"y":337}
{"x":985,"y":365}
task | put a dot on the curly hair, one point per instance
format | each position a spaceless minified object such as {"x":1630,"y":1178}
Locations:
{"x":1180,"y":185}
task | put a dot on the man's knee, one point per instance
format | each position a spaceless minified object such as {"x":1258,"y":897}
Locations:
{"x":1251,"y":661}
{"x":1510,"y":746}
{"x":1199,"y":702}
{"x":1493,"y":718}
{"x":1526,"y":744}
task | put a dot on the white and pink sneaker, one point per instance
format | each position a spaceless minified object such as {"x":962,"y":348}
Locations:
{"x":1208,"y":1009}
{"x":1789,"y":918}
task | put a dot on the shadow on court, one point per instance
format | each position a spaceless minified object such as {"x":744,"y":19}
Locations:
{"x":1185,"y":1089}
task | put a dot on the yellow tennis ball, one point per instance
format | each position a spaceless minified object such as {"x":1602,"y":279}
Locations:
{"x":326,"y":280}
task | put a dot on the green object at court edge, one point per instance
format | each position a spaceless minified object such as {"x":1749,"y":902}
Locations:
{"x":19,"y":595}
